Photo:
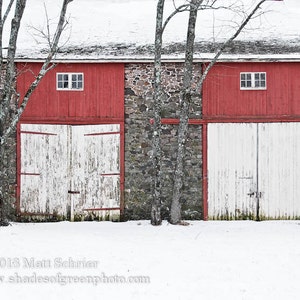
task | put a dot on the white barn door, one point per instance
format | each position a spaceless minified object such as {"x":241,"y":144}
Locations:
{"x":95,"y":161}
{"x":279,"y":166}
{"x":231,"y":171}
{"x":44,"y":169}
{"x":254,"y":171}
{"x":70,"y":171}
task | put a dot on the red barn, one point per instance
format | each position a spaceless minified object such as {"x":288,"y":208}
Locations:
{"x":242,"y":153}
{"x":70,"y":142}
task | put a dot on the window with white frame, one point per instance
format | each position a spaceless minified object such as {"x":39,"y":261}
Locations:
{"x":253,"y":81}
{"x":69,"y":81}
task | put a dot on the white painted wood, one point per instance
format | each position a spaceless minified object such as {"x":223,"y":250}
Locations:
{"x":56,"y":159}
{"x":261,"y":158}
{"x":95,"y":163}
{"x":44,"y":169}
{"x":279,"y":170}
{"x":231,"y":170}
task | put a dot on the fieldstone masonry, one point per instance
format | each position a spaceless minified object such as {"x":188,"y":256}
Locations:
{"x":138,"y":149}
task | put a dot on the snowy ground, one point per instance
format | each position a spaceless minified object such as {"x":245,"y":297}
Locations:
{"x":206,"y":260}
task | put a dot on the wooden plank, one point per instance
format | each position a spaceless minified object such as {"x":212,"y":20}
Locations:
{"x":75,"y":169}
{"x":101,"y":133}
{"x":95,"y":154}
{"x":222,"y":96}
{"x":204,"y":172}
{"x":102,"y":97}
{"x":231,"y":171}
{"x":268,"y":160}
{"x":44,"y":169}
{"x":279,"y":168}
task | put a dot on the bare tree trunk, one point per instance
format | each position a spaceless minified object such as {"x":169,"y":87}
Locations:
{"x":2,"y":188}
{"x":9,"y":118}
{"x":175,"y":217}
{"x":185,"y":99}
{"x":156,"y":145}
{"x":6,"y":98}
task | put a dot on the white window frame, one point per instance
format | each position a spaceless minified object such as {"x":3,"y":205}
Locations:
{"x":69,"y":82}
{"x":255,"y":83}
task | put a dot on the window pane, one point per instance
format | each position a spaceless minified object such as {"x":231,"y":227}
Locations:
{"x":62,"y":81}
{"x":72,"y":81}
{"x":253,"y":80}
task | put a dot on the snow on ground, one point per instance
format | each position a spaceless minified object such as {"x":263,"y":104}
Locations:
{"x":206,"y":260}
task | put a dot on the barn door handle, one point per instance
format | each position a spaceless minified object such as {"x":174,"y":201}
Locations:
{"x":73,"y":192}
{"x":256,"y":194}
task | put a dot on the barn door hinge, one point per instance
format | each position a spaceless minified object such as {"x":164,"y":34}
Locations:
{"x":73,"y":192}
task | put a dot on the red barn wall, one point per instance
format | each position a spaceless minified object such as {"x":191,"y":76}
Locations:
{"x":222,"y":96}
{"x":102,"y":97}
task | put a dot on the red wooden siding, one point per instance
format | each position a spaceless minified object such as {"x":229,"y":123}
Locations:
{"x":102,"y":97}
{"x":222,"y":96}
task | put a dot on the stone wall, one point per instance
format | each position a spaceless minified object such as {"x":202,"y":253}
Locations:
{"x":138,"y":150}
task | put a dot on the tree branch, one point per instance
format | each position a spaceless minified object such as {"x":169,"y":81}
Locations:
{"x":220,"y":51}
{"x":10,"y":64}
{"x":8,"y":9}
{"x":2,"y":22}
{"x":47,"y":66}
{"x":181,"y":8}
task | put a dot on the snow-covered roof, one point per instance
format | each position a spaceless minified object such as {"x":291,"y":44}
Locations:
{"x":123,"y":30}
